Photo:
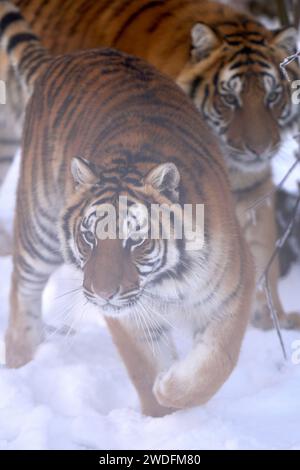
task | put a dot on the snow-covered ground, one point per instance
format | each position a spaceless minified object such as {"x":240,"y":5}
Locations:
{"x":76,"y":394}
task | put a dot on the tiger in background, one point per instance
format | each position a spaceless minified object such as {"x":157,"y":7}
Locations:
{"x":84,"y":146}
{"x":228,"y":64}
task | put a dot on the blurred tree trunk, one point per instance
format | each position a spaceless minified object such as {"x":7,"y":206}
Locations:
{"x":283,"y":12}
{"x":297,"y":13}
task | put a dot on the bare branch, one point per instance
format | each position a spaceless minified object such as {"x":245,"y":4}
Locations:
{"x":267,"y":196}
{"x":288,"y":60}
{"x":280,"y":243}
{"x":283,"y":12}
{"x":264,"y":279}
{"x":274,"y":315}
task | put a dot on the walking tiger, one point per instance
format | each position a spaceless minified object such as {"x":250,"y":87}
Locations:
{"x":101,"y":124}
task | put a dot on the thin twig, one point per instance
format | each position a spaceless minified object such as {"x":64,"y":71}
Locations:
{"x":264,"y":278}
{"x":267,"y":196}
{"x":274,"y":315}
{"x":288,"y":60}
{"x":281,"y":242}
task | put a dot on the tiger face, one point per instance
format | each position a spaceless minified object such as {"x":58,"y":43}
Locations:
{"x":112,"y":245}
{"x":236,"y":82}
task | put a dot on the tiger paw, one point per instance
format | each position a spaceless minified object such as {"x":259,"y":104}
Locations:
{"x":18,"y":350}
{"x":17,"y":356}
{"x":291,"y":321}
{"x":171,"y":389}
{"x":155,"y":410}
{"x":262,"y":320}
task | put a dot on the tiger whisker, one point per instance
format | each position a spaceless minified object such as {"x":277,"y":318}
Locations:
{"x":72,"y":291}
{"x":76,"y":322}
{"x":153,"y":322}
{"x":148,"y":335}
{"x":161,"y":317}
{"x":63,"y":316}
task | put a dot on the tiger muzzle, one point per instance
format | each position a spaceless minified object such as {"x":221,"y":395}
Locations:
{"x":110,"y":276}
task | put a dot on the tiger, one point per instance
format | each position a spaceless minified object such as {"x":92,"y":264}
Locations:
{"x":85,"y":146}
{"x":225,"y":61}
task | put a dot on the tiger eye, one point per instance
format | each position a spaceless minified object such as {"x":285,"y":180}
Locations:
{"x":88,"y":237}
{"x":230,"y":99}
{"x":273,"y":96}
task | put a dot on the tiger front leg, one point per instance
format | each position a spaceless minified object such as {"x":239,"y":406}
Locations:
{"x":32,"y":267}
{"x":24,"y":332}
{"x":145,"y":353}
{"x":193,"y":380}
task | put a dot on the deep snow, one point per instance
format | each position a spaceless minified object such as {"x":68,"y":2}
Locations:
{"x":76,"y":394}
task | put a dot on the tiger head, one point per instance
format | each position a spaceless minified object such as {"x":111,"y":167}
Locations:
{"x":235,"y":79}
{"x":118,"y":269}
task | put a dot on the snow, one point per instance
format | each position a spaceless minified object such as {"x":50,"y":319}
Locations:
{"x":75,"y":394}
{"x":283,"y":162}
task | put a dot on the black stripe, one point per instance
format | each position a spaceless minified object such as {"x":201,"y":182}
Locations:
{"x":135,"y":15}
{"x":30,"y":72}
{"x":30,"y":57}
{"x":258,"y":42}
{"x":249,"y":51}
{"x":28,"y":280}
{"x":249,"y":62}
{"x":242,"y":34}
{"x":121,"y":9}
{"x":62,"y":110}
{"x":234,"y":24}
{"x":8,"y":19}
{"x":133,"y":181}
{"x":158,"y":21}
{"x":18,"y":39}
{"x":38,"y":12}
{"x":194,"y":87}
{"x":234,"y":43}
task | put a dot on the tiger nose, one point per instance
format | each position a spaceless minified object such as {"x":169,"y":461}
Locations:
{"x":257,"y":149}
{"x":108,"y":294}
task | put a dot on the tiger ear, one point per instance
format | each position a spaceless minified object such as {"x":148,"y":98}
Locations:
{"x":164,"y":178}
{"x":204,"y":40}
{"x":286,"y":39}
{"x":83,"y":171}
